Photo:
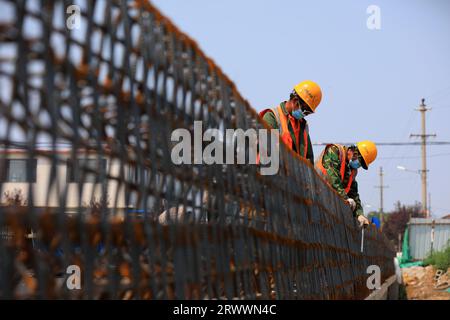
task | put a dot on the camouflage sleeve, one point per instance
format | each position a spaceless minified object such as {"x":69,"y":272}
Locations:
{"x":271,"y":120}
{"x":354,"y":194}
{"x":331,"y":163}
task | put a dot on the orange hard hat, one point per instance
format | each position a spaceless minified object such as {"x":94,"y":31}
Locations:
{"x":310,"y":92}
{"x":368,"y":151}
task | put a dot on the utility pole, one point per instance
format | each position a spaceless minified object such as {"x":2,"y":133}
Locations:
{"x":429,"y":205}
{"x":423,"y":109}
{"x":381,"y":187}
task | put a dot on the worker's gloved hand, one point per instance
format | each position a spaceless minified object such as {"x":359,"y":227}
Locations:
{"x":363,"y":221}
{"x":351,"y":203}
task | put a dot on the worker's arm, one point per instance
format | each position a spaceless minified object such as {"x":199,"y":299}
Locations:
{"x":332,"y":164}
{"x":270,"y":119}
{"x":310,"y":152}
{"x":354,"y":194}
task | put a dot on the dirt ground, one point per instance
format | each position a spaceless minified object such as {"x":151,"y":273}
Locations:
{"x":421,"y":283}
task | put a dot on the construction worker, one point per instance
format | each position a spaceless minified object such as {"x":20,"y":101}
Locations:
{"x":289,"y":117}
{"x":340,"y":165}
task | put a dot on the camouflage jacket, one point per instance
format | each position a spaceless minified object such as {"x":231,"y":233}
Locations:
{"x":332,"y":165}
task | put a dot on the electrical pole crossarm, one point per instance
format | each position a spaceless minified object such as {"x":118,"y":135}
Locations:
{"x":421,"y":135}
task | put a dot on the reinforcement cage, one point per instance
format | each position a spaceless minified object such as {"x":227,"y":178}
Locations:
{"x":92,"y":205}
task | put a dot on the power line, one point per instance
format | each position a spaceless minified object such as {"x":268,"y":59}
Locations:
{"x":444,"y":107}
{"x":435,"y":143}
{"x":49,"y":143}
{"x":404,"y":132}
{"x":416,"y":157}
{"x":441,"y":93}
{"x":442,"y":208}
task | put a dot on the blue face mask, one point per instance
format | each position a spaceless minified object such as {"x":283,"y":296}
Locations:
{"x":298,"y":114}
{"x":354,"y":164}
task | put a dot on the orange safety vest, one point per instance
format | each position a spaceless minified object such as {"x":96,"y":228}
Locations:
{"x":342,"y":158}
{"x":283,"y":128}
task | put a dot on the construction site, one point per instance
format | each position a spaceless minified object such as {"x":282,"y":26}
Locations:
{"x":132,"y":167}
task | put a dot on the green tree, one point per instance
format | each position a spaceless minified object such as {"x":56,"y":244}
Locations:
{"x":396,"y":221}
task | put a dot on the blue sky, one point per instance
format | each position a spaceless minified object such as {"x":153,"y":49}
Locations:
{"x":372,"y":80}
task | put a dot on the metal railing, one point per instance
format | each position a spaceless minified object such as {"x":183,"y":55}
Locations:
{"x":114,"y":87}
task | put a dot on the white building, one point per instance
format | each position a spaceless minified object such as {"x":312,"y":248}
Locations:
{"x":14,"y":176}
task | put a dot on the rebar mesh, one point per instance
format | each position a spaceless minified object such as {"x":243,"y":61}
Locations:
{"x":96,"y":106}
